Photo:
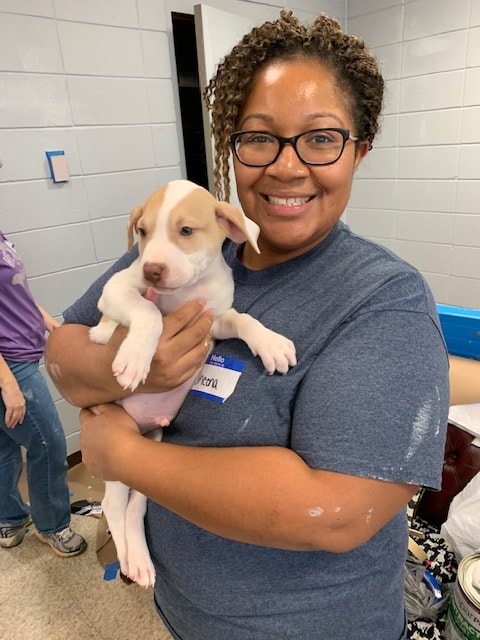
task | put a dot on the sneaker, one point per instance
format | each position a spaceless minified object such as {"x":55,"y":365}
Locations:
{"x":12,"y":535}
{"x":64,"y":543}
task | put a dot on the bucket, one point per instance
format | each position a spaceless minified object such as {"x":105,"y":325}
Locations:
{"x":463,"y":619}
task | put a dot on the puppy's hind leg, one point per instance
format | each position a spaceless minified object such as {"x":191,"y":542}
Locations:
{"x":141,"y":569}
{"x":140,"y":565}
{"x":114,"y":505}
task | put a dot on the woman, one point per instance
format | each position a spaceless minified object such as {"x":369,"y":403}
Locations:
{"x":29,"y":419}
{"x":281,"y":513}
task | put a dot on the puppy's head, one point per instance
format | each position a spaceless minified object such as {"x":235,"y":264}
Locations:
{"x":181,"y":228}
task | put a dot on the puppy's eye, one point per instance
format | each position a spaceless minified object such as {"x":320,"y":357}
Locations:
{"x":186,"y":231}
{"x":141,"y":232}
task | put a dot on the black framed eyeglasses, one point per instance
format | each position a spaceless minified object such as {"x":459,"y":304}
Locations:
{"x":316,"y":147}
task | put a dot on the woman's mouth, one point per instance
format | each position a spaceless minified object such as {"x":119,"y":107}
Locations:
{"x":287,"y":203}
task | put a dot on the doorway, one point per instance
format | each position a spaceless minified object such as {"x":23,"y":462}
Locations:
{"x":190,"y":97}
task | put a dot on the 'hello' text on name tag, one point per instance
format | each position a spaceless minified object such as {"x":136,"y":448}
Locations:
{"x":218,"y":378}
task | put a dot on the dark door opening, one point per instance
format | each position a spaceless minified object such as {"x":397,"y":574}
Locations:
{"x":190,"y":97}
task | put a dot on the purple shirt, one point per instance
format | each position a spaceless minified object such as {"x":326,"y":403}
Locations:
{"x":22,"y":329}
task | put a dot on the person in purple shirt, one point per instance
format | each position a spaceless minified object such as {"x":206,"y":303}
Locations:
{"x":28,"y":418}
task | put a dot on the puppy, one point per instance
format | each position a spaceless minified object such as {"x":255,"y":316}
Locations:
{"x":181,"y":228}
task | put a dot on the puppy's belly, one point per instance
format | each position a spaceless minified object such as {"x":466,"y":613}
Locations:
{"x":151,"y":410}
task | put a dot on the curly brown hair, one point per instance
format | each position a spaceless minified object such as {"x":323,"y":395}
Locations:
{"x":355,"y":67}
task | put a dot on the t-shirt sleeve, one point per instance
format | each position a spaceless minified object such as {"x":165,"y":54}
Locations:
{"x":85,"y":310}
{"x":375,"y":402}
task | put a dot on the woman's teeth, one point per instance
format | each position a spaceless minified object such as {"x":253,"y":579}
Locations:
{"x":289,"y":202}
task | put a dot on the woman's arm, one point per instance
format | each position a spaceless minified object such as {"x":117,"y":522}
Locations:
{"x":464,"y":380}
{"x":82,"y":370}
{"x":12,"y":396}
{"x":266,"y":496}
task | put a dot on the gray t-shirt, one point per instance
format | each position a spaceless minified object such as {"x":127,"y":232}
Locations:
{"x":368,"y":397}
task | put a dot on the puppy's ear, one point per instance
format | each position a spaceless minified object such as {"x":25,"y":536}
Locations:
{"x":132,"y":224}
{"x":239,"y":228}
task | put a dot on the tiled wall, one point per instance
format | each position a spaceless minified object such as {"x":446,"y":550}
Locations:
{"x":418,"y":191}
{"x":97,"y":80}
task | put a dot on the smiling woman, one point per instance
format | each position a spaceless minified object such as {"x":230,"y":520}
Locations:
{"x":295,"y":203}
{"x":279,"y":512}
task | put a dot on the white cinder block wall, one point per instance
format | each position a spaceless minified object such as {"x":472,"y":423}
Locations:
{"x":96,"y":79}
{"x":418,"y":191}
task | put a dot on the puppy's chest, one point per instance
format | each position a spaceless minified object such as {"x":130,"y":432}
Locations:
{"x":217,"y":293}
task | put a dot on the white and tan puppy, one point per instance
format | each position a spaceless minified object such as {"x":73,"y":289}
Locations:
{"x":181,"y":228}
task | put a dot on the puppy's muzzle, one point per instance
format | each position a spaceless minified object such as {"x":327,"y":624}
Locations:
{"x":153,"y":273}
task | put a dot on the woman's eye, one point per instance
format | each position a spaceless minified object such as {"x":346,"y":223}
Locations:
{"x":320,"y":139}
{"x":258,"y":139}
{"x":186,"y":231}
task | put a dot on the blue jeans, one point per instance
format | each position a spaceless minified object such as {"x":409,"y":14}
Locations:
{"x":43,"y":437}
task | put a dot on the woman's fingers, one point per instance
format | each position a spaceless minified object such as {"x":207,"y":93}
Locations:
{"x":14,"y":416}
{"x":183,"y":346}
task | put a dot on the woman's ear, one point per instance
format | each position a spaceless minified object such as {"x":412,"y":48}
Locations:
{"x":361,"y":150}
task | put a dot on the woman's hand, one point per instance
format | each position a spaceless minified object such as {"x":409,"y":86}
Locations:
{"x":50,"y":323}
{"x":82,"y":370}
{"x":182,"y":348}
{"x":105,"y":429}
{"x":14,"y":402}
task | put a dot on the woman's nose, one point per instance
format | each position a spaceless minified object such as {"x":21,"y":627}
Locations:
{"x":288,"y":164}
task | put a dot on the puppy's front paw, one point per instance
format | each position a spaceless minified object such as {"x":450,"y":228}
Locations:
{"x":131,"y":365}
{"x":276,"y":352}
{"x":129,"y":374}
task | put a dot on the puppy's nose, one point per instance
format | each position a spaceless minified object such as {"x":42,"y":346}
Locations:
{"x":153,"y":271}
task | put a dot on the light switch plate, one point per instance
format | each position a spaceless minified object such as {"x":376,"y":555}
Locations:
{"x":57,"y":163}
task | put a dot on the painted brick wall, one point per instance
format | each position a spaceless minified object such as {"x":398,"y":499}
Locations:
{"x":418,"y":192}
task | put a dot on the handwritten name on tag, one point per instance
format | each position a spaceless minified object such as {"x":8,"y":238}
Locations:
{"x":218,"y":378}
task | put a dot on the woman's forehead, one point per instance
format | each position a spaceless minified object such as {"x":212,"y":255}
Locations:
{"x":296,"y":89}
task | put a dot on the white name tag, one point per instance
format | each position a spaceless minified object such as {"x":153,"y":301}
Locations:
{"x":218,"y":378}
